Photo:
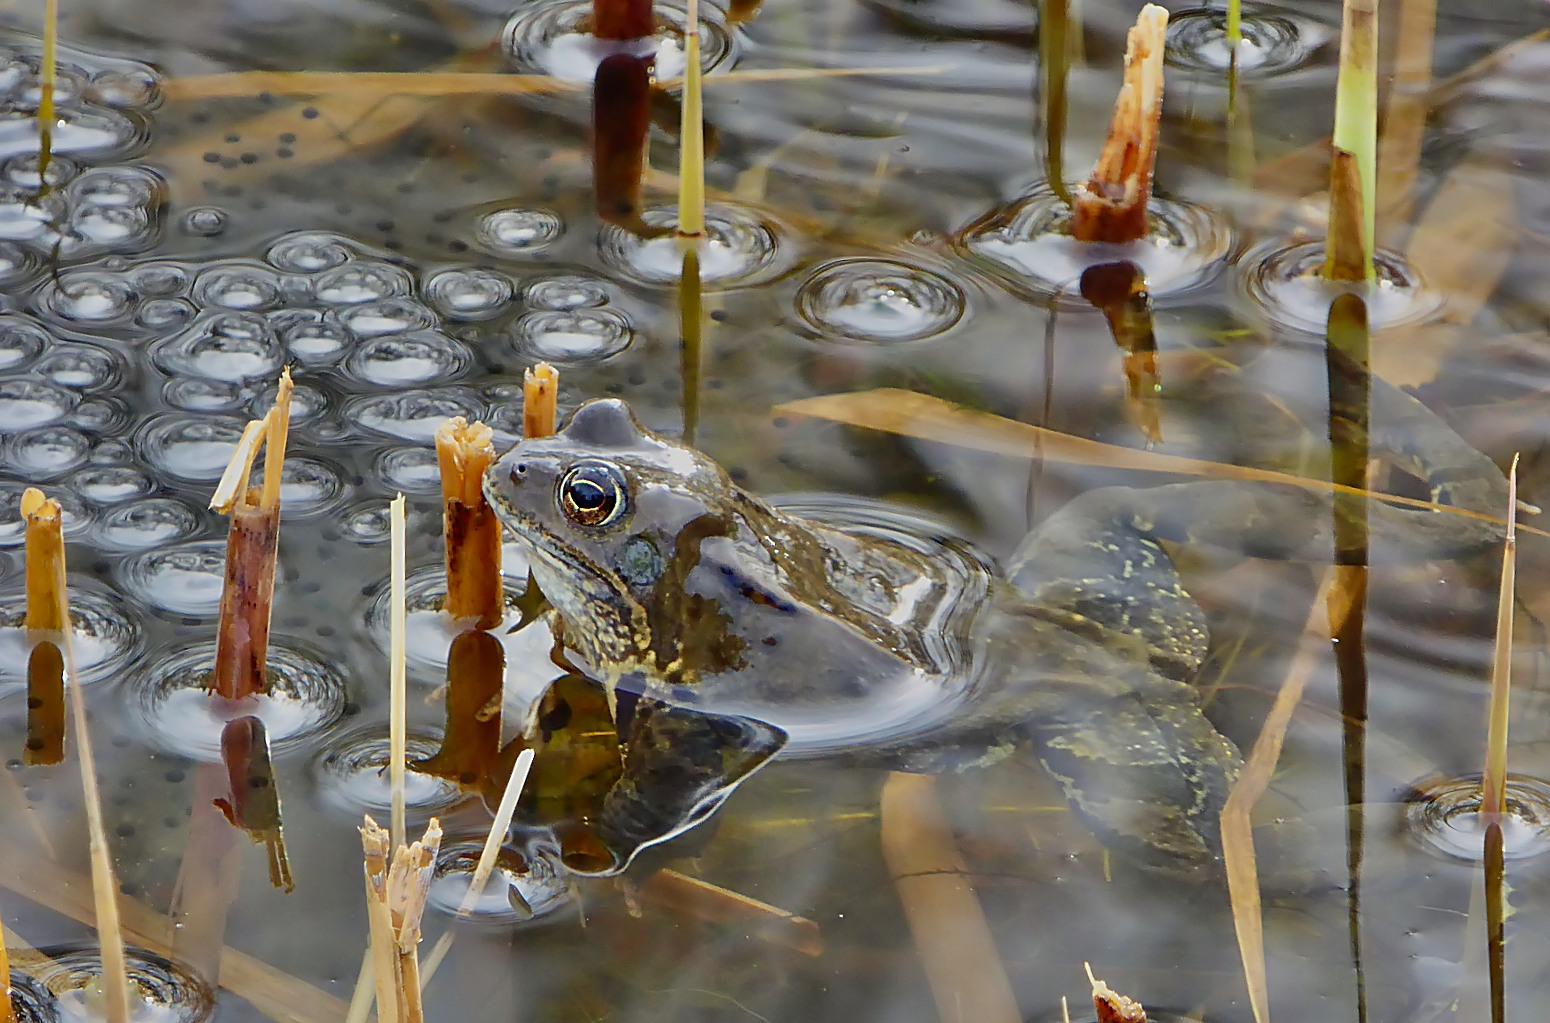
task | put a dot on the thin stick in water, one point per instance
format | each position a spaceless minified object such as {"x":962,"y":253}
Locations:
{"x":398,"y":698}
{"x":1494,"y":794}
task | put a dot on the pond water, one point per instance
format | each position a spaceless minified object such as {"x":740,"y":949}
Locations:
{"x":410,"y":254}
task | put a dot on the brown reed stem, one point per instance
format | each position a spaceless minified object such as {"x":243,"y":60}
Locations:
{"x":622,"y":19}
{"x":471,"y":742}
{"x":540,"y":393}
{"x":1111,"y":205}
{"x":621,"y":118}
{"x":471,"y":532}
{"x":254,"y":805}
{"x":247,"y":594}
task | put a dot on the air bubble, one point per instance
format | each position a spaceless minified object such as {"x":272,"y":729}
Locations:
{"x":308,"y":252}
{"x":411,"y":470}
{"x":312,"y":337}
{"x":879,"y":300}
{"x":567,"y":291}
{"x":164,"y":314}
{"x":740,"y":247}
{"x":406,"y":360}
{"x":386,"y":316}
{"x":110,"y":226}
{"x":368,"y":523}
{"x":48,"y":452}
{"x":307,"y":403}
{"x":101,"y":416}
{"x":111,"y":484}
{"x":230,"y":346}
{"x":23,"y":170}
{"x":205,"y":221}
{"x":80,"y":367}
{"x":87,"y":296}
{"x":305,"y":696}
{"x":27,"y":216}
{"x":519,"y":232}
{"x":136,"y":89}
{"x":308,"y":486}
{"x":25,"y":404}
{"x":182,"y":580}
{"x":468,"y":294}
{"x":414,"y":415}
{"x":584,"y":335}
{"x":362,"y":282}
{"x":147,"y":523}
{"x":196,"y":394}
{"x":20,"y":342}
{"x":102,"y":134}
{"x":120,"y":187}
{"x":190,"y":447}
{"x":159,"y":279}
{"x":16,"y":264}
{"x":237,"y":287}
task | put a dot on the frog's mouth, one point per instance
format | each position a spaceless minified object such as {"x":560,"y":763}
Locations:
{"x":602,"y":623}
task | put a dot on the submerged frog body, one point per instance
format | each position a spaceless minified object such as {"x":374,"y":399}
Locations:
{"x":674,"y":583}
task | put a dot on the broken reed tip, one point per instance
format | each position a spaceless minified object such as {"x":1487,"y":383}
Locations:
{"x":33,"y":501}
{"x":540,"y":396}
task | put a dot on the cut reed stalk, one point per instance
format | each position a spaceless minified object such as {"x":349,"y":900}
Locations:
{"x":1494,"y":780}
{"x":7,"y":1010}
{"x":621,"y":119}
{"x":1110,"y":1005}
{"x":247,"y":592}
{"x":1353,"y":167}
{"x":471,"y":741}
{"x":1111,"y":205}
{"x":1054,"y":66}
{"x":486,"y":865}
{"x":622,"y":19}
{"x":540,"y":394}
{"x":254,"y":805}
{"x":44,"y":619}
{"x":471,"y":532}
{"x":49,"y":76}
{"x":398,"y":702}
{"x":958,"y":953}
{"x":691,"y":135}
{"x":691,"y":312}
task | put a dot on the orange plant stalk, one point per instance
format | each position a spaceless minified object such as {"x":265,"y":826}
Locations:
{"x":621,"y":117}
{"x":1111,"y":205}
{"x":540,"y":391}
{"x":622,"y":19}
{"x":45,"y":548}
{"x":242,"y":643}
{"x":472,"y":532}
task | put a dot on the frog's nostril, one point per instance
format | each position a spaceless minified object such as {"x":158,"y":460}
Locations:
{"x":519,"y":470}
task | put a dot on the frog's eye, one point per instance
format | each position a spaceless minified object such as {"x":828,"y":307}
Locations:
{"x":592,"y":494}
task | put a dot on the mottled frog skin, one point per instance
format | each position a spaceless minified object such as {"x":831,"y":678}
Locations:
{"x":674,"y":583}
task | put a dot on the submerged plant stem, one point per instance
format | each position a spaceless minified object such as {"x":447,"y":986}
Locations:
{"x":1054,"y":66}
{"x":1111,"y":205}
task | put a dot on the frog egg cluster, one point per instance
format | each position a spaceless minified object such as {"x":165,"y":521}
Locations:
{"x":84,"y":201}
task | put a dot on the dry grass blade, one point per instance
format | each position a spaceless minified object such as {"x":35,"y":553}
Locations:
{"x":911,"y":414}
{"x":1327,"y":613}
{"x":715,"y":904}
{"x":957,"y":951}
{"x":1461,"y":248}
{"x":1494,"y":782}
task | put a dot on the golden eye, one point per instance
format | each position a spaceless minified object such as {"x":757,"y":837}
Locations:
{"x":592,"y":494}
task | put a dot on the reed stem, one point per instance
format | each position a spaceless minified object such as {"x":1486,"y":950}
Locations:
{"x":540,"y":394}
{"x":1494,"y":794}
{"x":397,"y":685}
{"x":1353,"y":172}
{"x":470,"y":531}
{"x":691,"y":138}
{"x":49,"y":74}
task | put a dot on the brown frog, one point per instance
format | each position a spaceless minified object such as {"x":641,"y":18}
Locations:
{"x":675,"y":584}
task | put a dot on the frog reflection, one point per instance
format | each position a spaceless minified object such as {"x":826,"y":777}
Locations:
{"x":674,"y":583}
{"x":608,"y":782}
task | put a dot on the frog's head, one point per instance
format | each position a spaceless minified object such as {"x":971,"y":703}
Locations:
{"x":613,"y":517}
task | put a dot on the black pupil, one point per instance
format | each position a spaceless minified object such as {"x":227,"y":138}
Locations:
{"x":588,"y":495}
{"x":592,"y":494}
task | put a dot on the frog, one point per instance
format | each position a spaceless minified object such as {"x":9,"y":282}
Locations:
{"x":673,"y":583}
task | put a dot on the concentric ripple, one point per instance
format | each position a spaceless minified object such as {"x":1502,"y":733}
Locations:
{"x":352,"y":777}
{"x":147,"y":523}
{"x":567,"y":291}
{"x":553,"y":37}
{"x":1028,"y":246}
{"x":104,"y":636}
{"x":169,"y":992}
{"x":879,"y":301}
{"x":469,"y":294}
{"x":1284,"y":287}
{"x":1444,"y":816}
{"x":572,"y":336}
{"x":741,"y":247}
{"x":413,"y":470}
{"x":1270,"y":44}
{"x":306,"y":696}
{"x":232,"y":346}
{"x":308,"y":252}
{"x":428,"y":633}
{"x":408,"y":360}
{"x":414,"y":415}
{"x":190,"y":447}
{"x":530,"y":869}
